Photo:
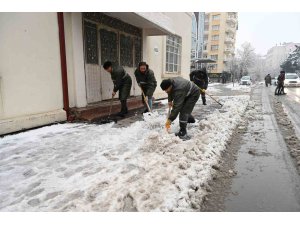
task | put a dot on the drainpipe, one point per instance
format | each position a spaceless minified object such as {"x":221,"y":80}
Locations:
{"x":63,"y":62}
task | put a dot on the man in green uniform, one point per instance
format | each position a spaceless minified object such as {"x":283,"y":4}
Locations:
{"x":200,"y":78}
{"x":146,"y":80}
{"x":122,"y":83}
{"x":182,"y":96}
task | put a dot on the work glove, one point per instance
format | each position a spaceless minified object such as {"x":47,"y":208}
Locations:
{"x":168,"y":124}
{"x":202,"y":91}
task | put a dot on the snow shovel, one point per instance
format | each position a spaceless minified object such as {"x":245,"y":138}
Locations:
{"x":108,"y":120}
{"x":145,"y":100}
{"x":203,"y":90}
{"x":169,"y":112}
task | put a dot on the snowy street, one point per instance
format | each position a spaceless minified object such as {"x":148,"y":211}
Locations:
{"x":137,"y":167}
{"x":265,"y":160}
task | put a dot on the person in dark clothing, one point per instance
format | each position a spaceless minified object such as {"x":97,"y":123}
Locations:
{"x":280,"y":83}
{"x":122,"y":83}
{"x":146,"y":80}
{"x":182,"y":96}
{"x":200,"y":78}
{"x":223,"y":78}
{"x":268,"y":80}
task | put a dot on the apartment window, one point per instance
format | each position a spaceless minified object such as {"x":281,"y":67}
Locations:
{"x":206,"y":28}
{"x":214,"y":57}
{"x":173,"y":57}
{"x":214,"y":47}
{"x":205,"y":37}
{"x":205,"y":47}
{"x":216,"y":17}
{"x":215,"y":37}
{"x":214,"y":66}
{"x":215,"y":27}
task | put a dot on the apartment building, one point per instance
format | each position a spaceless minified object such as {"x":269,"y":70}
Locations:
{"x":277,"y":54}
{"x":219,"y":39}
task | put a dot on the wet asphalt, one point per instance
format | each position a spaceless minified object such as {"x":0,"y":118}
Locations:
{"x":267,"y":179}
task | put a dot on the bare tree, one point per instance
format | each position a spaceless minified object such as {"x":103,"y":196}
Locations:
{"x":246,"y":57}
{"x":233,"y":67}
{"x":258,"y":70}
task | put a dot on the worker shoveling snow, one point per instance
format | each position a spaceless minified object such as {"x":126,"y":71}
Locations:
{"x":80,"y":167}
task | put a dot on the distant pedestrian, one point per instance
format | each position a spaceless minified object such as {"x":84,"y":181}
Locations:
{"x":122,"y":83}
{"x":146,"y":80}
{"x":280,"y":83}
{"x":268,"y":80}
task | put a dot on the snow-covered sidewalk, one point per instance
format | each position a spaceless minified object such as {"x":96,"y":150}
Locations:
{"x":82,"y":167}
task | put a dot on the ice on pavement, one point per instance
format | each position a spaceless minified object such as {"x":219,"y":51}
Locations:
{"x":84,"y":167}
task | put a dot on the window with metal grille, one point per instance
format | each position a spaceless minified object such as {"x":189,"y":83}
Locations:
{"x":90,"y":33}
{"x":126,"y":50}
{"x":173,"y":54}
{"x":109,"y":46}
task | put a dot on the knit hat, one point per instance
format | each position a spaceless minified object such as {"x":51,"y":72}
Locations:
{"x":165,"y":84}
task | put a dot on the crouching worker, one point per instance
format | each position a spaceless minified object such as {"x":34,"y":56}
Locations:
{"x":146,"y":80}
{"x":122,"y":83}
{"x":182,"y":97}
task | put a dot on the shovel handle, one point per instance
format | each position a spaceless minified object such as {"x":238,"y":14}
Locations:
{"x":111,"y":103}
{"x":145,"y":100}
{"x":203,"y":90}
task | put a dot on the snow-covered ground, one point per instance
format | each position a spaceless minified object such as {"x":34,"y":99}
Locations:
{"x":237,"y":87}
{"x":83,"y":167}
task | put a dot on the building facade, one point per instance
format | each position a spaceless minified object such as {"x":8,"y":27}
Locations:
{"x":277,"y":55}
{"x":219,"y":39}
{"x":50,"y":65}
{"x":197,"y":38}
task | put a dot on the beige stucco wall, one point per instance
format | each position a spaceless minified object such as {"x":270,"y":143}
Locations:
{"x":182,"y":23}
{"x":30,"y":69}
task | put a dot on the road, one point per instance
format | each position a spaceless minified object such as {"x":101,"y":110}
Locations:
{"x":266,"y":178}
{"x":291,"y":102}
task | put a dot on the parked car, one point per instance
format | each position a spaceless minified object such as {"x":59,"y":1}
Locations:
{"x":246,"y":80}
{"x":292,"y":80}
{"x":274,"y":81}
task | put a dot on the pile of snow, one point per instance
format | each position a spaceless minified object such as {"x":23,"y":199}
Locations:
{"x":237,"y":87}
{"x":80,"y":167}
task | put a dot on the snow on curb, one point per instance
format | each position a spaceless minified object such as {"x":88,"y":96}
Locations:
{"x":75,"y":167}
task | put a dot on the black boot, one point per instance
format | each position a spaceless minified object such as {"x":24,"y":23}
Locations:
{"x":203,"y":100}
{"x":182,"y":132}
{"x":191,"y":119}
{"x":124,"y":109}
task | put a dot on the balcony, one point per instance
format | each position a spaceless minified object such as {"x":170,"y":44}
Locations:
{"x":230,"y":29}
{"x":229,"y":40}
{"x":231,"y":19}
{"x":226,"y":59}
{"x":229,"y":50}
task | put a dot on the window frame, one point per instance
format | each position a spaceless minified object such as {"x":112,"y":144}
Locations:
{"x":173,"y":47}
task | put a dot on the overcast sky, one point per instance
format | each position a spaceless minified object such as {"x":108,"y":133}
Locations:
{"x":264,"y":30}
